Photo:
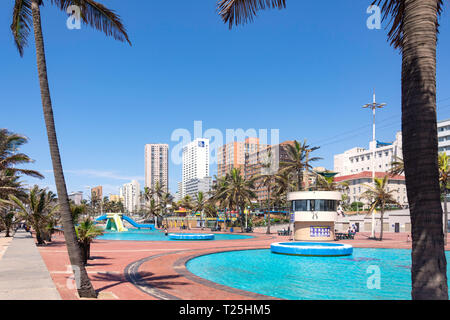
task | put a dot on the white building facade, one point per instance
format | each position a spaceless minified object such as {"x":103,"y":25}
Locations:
{"x":358,"y":159}
{"x":194,"y":186}
{"x":157,"y":165}
{"x":131,"y":193}
{"x":195,"y":162}
{"x":444,"y":136}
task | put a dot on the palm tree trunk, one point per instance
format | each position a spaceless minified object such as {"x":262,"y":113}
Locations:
{"x":420,"y":149}
{"x":85,"y":288}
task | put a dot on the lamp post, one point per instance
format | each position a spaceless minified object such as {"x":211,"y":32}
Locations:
{"x":374,"y":105}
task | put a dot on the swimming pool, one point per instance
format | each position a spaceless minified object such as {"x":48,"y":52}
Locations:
{"x":156,"y":235}
{"x":320,"y":278}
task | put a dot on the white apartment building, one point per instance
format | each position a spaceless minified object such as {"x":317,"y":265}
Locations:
{"x":76,"y":197}
{"x":131,"y":193}
{"x":194,"y":186}
{"x":156,"y":165}
{"x":444,"y":136}
{"x":358,"y":159}
{"x":195,"y":162}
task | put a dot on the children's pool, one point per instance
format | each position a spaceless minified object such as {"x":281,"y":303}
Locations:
{"x":368,"y":274}
{"x":156,"y":235}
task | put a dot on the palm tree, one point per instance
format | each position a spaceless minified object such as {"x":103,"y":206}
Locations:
{"x":398,"y":166}
{"x":25,"y":14}
{"x":444,"y":179}
{"x":380,"y":196}
{"x":414,"y":29}
{"x":9,"y":158}
{"x":239,"y":192}
{"x":36,"y":210}
{"x":299,"y":161}
{"x":200,"y":204}
{"x":86,"y":233}
{"x":188,"y":204}
{"x":166,"y":200}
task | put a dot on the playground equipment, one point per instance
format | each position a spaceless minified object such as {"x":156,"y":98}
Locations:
{"x":115,"y":222}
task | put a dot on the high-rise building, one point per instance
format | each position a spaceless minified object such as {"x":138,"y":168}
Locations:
{"x":443,"y":128}
{"x":257,"y":163}
{"x":97,"y":193}
{"x":131,"y":194}
{"x":233,"y":154}
{"x":358,"y":159}
{"x":195,"y":162}
{"x":157,"y":165}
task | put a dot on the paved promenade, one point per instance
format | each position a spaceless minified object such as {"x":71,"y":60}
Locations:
{"x":156,"y":269}
{"x":23,"y":273}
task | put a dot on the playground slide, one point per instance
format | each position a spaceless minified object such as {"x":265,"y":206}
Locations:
{"x":119,"y":223}
{"x":137,"y":225}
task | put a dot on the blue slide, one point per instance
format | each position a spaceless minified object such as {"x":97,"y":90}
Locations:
{"x":130,"y":221}
{"x":137,"y":225}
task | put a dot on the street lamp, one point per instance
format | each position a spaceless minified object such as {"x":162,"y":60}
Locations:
{"x":374,"y":105}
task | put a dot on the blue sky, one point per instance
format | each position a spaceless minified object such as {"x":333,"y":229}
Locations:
{"x":305,"y":70}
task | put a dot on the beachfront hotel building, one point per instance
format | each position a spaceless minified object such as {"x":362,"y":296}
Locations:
{"x":357,"y":160}
{"x":157,"y":165}
{"x":195,"y":160}
{"x":232,"y":155}
{"x":355,"y":167}
{"x":443,"y":128}
{"x":358,"y":185}
{"x":131,"y":192}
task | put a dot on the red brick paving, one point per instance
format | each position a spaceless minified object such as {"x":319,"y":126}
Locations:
{"x":164,"y":273}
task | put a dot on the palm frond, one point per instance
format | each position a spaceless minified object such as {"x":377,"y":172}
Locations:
{"x":243,"y":11}
{"x":21,"y":24}
{"x":395,"y":10}
{"x":97,"y":16}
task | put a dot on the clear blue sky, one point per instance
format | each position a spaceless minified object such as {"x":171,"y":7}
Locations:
{"x":306,"y":70}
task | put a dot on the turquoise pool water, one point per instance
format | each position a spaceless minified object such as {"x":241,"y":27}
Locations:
{"x":156,"y":235}
{"x":318,"y":278}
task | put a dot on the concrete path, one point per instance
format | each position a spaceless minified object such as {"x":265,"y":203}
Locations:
{"x":23,"y":273}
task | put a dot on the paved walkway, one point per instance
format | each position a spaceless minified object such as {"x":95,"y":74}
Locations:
{"x":129,"y":270}
{"x":23,"y":273}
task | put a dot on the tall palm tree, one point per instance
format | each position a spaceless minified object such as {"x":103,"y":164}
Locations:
{"x":414,"y":29}
{"x":298,"y":163}
{"x":9,"y":158}
{"x":444,"y":179}
{"x":239,"y":192}
{"x":380,"y":196}
{"x":26,"y":13}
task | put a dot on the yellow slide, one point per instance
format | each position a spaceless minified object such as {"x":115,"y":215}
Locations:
{"x":118,"y":224}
